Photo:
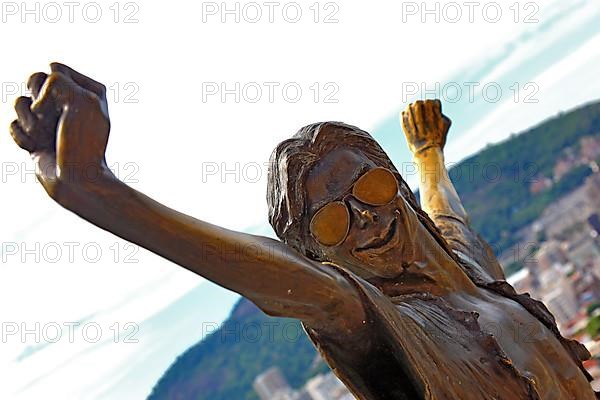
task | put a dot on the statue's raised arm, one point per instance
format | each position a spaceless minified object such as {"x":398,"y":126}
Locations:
{"x":65,"y":127}
{"x":426,"y":130}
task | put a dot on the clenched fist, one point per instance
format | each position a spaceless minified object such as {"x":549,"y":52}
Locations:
{"x":424,"y":125}
{"x":64,"y":126}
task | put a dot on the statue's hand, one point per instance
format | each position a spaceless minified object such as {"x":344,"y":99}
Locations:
{"x":64,"y":126}
{"x":424,"y":125}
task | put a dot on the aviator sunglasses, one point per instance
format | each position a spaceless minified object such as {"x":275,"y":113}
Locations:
{"x":331,"y":224}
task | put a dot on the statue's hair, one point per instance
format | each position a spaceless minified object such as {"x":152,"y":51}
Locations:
{"x":292,"y":160}
{"x":288,"y":212}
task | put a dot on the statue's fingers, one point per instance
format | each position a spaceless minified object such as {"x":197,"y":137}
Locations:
{"x":58,"y":90}
{"x":85,"y":82}
{"x":431,"y":114}
{"x":441,"y":121}
{"x":404,"y":119}
{"x":35,"y":83}
{"x":20,"y":137}
{"x":27,"y":118}
{"x":447,"y":122}
{"x":408,"y":123}
{"x":415,"y":117}
{"x":422,"y":107}
{"x":40,"y":129}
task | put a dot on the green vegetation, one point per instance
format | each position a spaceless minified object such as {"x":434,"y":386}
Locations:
{"x":591,"y":308}
{"x":495,"y":183}
{"x":593,"y":326}
{"x":513,"y":267}
{"x":224,"y":365}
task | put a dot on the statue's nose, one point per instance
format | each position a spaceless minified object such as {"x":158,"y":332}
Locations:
{"x":364,"y":216}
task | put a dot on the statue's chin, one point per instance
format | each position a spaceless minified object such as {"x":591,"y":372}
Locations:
{"x":388,"y":265}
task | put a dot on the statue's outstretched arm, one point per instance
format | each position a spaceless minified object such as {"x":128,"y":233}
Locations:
{"x":426,"y":129}
{"x":65,"y":128}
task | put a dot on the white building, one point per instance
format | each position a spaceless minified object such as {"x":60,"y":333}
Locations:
{"x":562,"y":303}
{"x":327,"y":387}
{"x":271,"y":385}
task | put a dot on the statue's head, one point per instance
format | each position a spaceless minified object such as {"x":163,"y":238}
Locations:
{"x":334,"y":195}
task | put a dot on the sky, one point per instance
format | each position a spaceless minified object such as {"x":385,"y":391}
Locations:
{"x":198,"y":101}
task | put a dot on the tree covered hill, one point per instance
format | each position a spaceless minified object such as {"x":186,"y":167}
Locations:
{"x":495,"y":186}
{"x":224,"y":365}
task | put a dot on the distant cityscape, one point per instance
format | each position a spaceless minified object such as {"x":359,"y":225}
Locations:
{"x":561,"y":266}
{"x":272,"y":385}
{"x":558,"y":254}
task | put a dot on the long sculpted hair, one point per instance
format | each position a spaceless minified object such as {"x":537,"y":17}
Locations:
{"x":289,"y":165}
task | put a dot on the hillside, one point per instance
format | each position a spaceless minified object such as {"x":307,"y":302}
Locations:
{"x":499,"y":188}
{"x":223,"y":366}
{"x":495,"y":184}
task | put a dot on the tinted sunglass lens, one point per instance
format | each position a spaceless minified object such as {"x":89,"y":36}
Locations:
{"x":330,"y":224}
{"x":376,"y":187}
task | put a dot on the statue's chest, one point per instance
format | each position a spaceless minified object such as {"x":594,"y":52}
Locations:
{"x":451,"y":354}
{"x":533,"y":349}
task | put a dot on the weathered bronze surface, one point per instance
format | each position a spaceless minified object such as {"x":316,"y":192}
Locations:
{"x":403,"y":302}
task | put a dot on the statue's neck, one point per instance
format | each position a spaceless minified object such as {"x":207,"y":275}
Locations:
{"x":427,"y":268}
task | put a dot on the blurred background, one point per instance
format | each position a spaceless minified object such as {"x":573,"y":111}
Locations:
{"x":199,"y":95}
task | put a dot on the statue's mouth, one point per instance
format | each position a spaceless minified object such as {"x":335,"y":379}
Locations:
{"x":386,"y":241}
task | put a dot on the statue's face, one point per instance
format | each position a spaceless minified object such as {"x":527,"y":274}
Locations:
{"x":358,"y":215}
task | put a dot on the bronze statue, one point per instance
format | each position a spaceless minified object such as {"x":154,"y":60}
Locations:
{"x":403,"y":302}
